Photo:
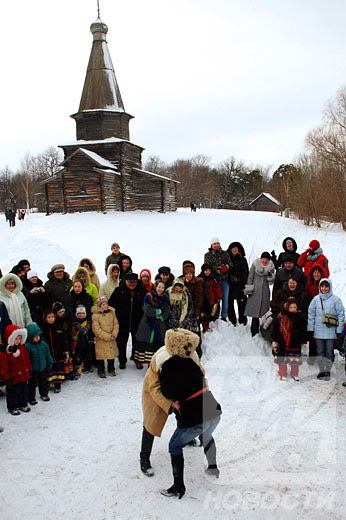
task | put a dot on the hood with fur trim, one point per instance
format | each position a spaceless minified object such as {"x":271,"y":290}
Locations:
{"x":93,"y":268}
{"x":181,"y":342}
{"x":82,"y":270}
{"x":12,"y":332}
{"x":5,"y":279}
{"x":33,"y":330}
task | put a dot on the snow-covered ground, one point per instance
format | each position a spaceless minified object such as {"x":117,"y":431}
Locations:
{"x":281,"y":445}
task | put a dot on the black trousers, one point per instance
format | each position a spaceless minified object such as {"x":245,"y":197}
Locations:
{"x":255,"y":326}
{"x":16,"y":396}
{"x":147,"y":443}
{"x":241,"y":302}
{"x":122,"y":340}
{"x":38,"y":379}
{"x":101,"y":365}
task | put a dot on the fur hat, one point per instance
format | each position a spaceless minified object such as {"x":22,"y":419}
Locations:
{"x":57,"y":267}
{"x":314,"y":244}
{"x":31,"y":274}
{"x":188,"y":267}
{"x":214,"y":240}
{"x":12,"y":332}
{"x":288,"y":258}
{"x":265,"y":254}
{"x":58,"y":306}
{"x":164,"y":270}
{"x":205,"y":267}
{"x":181,"y":342}
{"x":131,"y":277}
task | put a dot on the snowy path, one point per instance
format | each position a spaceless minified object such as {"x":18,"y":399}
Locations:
{"x":281,"y":446}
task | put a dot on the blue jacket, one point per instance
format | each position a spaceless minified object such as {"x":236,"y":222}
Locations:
{"x":331,"y":305}
{"x":40,"y":356}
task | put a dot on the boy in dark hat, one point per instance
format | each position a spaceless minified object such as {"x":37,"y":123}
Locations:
{"x":165,"y":275}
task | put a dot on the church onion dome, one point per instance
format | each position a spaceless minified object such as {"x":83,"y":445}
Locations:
{"x":99,"y":30}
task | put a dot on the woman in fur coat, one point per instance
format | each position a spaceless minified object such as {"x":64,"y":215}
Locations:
{"x":13,"y":298}
{"x":156,"y":407}
{"x":197,"y":412}
{"x":257,"y":289}
{"x":112,"y":282}
{"x":105,"y":326}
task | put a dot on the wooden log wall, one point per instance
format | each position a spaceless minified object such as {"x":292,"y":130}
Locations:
{"x":112,"y":192}
{"x":264,"y":204}
{"x":54,"y":196}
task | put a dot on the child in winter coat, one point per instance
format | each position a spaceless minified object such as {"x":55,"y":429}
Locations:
{"x":82,"y":341}
{"x":19,"y":368}
{"x":324,"y":304}
{"x":105,"y":326}
{"x":212,"y":294}
{"x":289,"y":333}
{"x":55,"y":336}
{"x":63,"y":320}
{"x":41,"y":362}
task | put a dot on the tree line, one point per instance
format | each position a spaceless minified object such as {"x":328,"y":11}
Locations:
{"x":313,"y":187}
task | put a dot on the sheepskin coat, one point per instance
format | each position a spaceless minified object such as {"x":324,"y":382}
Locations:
{"x":182,"y":380}
{"x":259,"y":279}
{"x":156,"y":407}
{"x":109,"y":285}
{"x":7,"y":297}
{"x":105,"y":326}
{"x":94,"y":279}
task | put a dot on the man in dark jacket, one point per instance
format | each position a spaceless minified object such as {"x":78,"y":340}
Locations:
{"x":289,"y":270}
{"x":4,"y":321}
{"x":289,"y":245}
{"x":58,"y":284}
{"x":113,"y":258}
{"x":127,"y":300}
{"x":237,"y":277}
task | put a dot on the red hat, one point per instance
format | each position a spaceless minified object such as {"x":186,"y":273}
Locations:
{"x":12,"y":332}
{"x":314,"y":244}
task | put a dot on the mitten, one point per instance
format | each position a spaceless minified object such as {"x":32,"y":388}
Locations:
{"x":223,"y":269}
{"x":158,"y":313}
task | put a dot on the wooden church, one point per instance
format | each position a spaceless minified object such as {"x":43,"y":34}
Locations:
{"x":102,"y":169}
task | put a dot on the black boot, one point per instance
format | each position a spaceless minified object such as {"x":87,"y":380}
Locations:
{"x":210,"y":453}
{"x":146,"y":466}
{"x":178,"y":488}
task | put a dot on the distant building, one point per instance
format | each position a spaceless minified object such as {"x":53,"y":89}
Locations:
{"x":265,"y":202}
{"x":102,"y":169}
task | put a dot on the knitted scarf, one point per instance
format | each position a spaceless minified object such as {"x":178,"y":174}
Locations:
{"x":157,"y":302}
{"x":15,"y":310}
{"x":285,"y":328}
{"x":179,"y":299}
{"x":312,"y":257}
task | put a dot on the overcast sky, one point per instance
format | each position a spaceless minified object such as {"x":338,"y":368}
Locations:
{"x":246,"y":78}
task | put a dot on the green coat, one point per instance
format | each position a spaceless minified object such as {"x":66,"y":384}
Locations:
{"x":40,"y":356}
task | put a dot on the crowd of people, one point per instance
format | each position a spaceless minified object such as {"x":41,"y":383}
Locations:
{"x":53,"y":332}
